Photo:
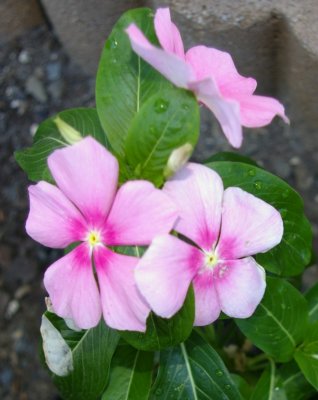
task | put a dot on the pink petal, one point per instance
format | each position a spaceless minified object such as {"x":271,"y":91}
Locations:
{"x":53,"y":220}
{"x":258,"y":111}
{"x":72,"y":288}
{"x":139,"y":213}
{"x":207,"y":308}
{"x":249,"y":225}
{"x":167,"y":33}
{"x":225,"y":110}
{"x":197,"y":192}
{"x":87,"y":173}
{"x":218,"y":65}
{"x":164,"y":273}
{"x":169,"y":65}
{"x":123,"y":307}
{"x":240,"y":286}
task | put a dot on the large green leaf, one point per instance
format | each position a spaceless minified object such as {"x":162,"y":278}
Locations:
{"x":48,"y":138}
{"x":294,"y":252}
{"x":306,"y":356}
{"x":91,"y":354}
{"x":193,"y":371}
{"x":124,"y":81}
{"x":267,"y":387}
{"x":130,"y":374}
{"x":312,"y":298}
{"x":284,"y":383}
{"x":162,"y":333}
{"x":280,"y":321}
{"x":167,"y":121}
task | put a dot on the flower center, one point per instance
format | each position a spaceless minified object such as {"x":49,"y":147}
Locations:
{"x":211,"y":259}
{"x":93,"y":238}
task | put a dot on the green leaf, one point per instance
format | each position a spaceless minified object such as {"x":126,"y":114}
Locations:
{"x":294,"y":252}
{"x":162,"y":333}
{"x":306,"y":356}
{"x":193,"y":371}
{"x":124,"y":81}
{"x":92,"y":351}
{"x":48,"y":137}
{"x":242,"y":386}
{"x":167,"y":121}
{"x":294,"y":383}
{"x":130,"y":374}
{"x":230,"y":156}
{"x":267,"y":387}
{"x":279,"y":323}
{"x":312,"y":298}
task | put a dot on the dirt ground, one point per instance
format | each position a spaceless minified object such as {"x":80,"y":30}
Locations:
{"x":37,"y":80}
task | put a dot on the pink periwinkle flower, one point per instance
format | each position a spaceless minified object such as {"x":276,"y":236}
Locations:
{"x":210,"y":74}
{"x":223,"y":229}
{"x":86,"y":207}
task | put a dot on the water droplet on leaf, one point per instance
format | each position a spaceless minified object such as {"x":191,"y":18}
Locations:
{"x":185,"y":107}
{"x":252,"y":172}
{"x":227,"y":387}
{"x":258,"y":185}
{"x":161,"y":105}
{"x":218,"y":372}
{"x":114,"y":44}
{"x":285,"y":194}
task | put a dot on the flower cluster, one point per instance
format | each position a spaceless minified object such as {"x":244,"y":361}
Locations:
{"x":218,"y":232}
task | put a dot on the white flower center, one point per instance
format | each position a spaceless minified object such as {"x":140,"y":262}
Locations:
{"x":211,"y":259}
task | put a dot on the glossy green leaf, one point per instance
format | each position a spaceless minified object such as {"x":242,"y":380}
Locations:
{"x":124,"y":81}
{"x":167,"y":121}
{"x":280,"y":321}
{"x":193,"y":371}
{"x":243,"y":387}
{"x":230,"y":156}
{"x":92,"y":351}
{"x":294,"y":383}
{"x":306,"y":356}
{"x":267,"y":388}
{"x":33,"y":160}
{"x":312,"y":298}
{"x":291,"y":256}
{"x":130,"y":374}
{"x":162,"y":333}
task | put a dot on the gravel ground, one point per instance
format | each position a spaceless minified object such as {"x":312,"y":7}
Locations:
{"x":37,"y":80}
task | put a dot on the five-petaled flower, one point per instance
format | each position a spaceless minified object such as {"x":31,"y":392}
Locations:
{"x":86,"y":207}
{"x":223,"y":229}
{"x":210,"y":74}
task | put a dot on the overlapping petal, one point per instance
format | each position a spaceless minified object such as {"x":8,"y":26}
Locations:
{"x":53,"y":220}
{"x":240,"y":286}
{"x":123,"y":307}
{"x":139,"y":213}
{"x":164,"y":273}
{"x":226,"y":111}
{"x":72,"y":288}
{"x":167,"y":33}
{"x":207,"y":307}
{"x":197,"y":192}
{"x":87,"y":174}
{"x":169,"y":65}
{"x":249,"y":225}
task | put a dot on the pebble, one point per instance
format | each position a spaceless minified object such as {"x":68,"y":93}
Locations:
{"x":35,"y":87}
{"x":53,"y":71}
{"x":55,"y":89}
{"x":12,"y":309}
{"x":24,"y":57}
{"x":295,"y":161}
{"x":22,"y":291}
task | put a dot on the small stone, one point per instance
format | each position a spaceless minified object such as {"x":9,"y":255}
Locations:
{"x":295,"y":161}
{"x":53,"y":71}
{"x":12,"y":309}
{"x":24,"y":57}
{"x":55,"y":90}
{"x":22,"y":291}
{"x":33,"y":129}
{"x":35,"y":87}
{"x":316,"y":198}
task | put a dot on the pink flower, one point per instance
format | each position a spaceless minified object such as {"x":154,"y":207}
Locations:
{"x":210,"y":74}
{"x":223,"y":229}
{"x":84,"y":207}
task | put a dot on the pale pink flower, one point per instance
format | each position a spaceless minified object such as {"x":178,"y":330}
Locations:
{"x":86,"y":207}
{"x":210,"y":74}
{"x":223,"y":229}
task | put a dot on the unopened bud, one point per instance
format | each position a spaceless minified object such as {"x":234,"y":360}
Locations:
{"x":70,"y":134}
{"x":178,"y":159}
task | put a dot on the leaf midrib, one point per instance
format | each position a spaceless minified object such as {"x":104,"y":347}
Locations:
{"x":187,"y":363}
